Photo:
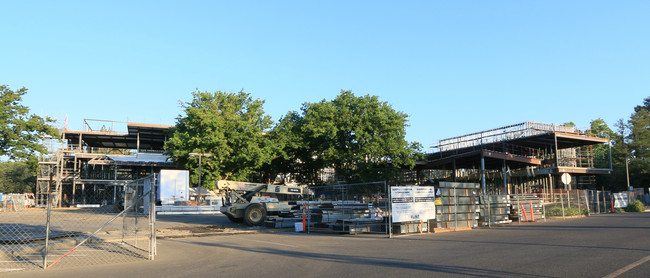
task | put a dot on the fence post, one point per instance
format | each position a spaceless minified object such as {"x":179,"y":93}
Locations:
{"x":518,"y":210}
{"x":390,"y":210}
{"x":568,"y":198}
{"x":604,"y":200}
{"x":578,"y":199}
{"x":587,"y":204}
{"x":152,"y":217}
{"x":489,"y":207}
{"x":562,"y":203}
{"x":124,"y":205}
{"x":47,"y":229}
{"x":455,"y":208}
{"x":597,"y":201}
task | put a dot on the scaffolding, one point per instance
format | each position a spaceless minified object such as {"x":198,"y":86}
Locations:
{"x":94,"y":164}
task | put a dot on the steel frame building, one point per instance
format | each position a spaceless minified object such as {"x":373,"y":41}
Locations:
{"x":518,"y":158}
{"x":91,"y":165}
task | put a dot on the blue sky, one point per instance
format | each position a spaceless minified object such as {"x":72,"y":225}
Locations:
{"x":455,"y":67}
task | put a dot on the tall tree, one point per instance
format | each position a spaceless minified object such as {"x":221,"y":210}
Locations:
{"x":20,"y":131}
{"x":228,"y":126}
{"x":599,"y":128}
{"x":601,"y":152}
{"x":361,"y":138}
{"x":639,"y":144}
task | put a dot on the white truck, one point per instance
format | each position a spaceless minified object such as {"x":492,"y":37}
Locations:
{"x":252,"y":202}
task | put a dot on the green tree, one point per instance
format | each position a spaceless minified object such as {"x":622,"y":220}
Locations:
{"x":20,"y":131}
{"x":601,"y":152}
{"x":599,"y":128}
{"x":362,"y":138}
{"x":297,"y":155}
{"x":569,"y":124}
{"x":639,"y":145}
{"x":229,"y":126}
{"x":18,"y":176}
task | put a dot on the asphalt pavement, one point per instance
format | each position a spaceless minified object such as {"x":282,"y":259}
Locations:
{"x":617,"y":245}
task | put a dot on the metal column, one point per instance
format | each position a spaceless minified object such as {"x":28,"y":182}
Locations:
{"x":483,"y":174}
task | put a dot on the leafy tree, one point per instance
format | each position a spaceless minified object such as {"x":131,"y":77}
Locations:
{"x":569,"y":124}
{"x":18,"y":176}
{"x":601,"y":152}
{"x":639,"y":125}
{"x":362,"y":138}
{"x":639,"y":145}
{"x":230,"y":127}
{"x":297,"y":155}
{"x":20,"y":132}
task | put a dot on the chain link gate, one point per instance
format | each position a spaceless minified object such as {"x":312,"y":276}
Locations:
{"x":98,"y":231}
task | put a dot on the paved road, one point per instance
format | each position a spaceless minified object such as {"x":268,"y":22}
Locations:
{"x":586,"y":247}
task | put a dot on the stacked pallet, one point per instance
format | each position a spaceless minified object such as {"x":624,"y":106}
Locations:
{"x":495,"y":209}
{"x":526,"y":207}
{"x":459,"y":205}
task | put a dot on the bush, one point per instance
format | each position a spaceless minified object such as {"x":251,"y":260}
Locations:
{"x":635,"y":206}
{"x":572,"y":211}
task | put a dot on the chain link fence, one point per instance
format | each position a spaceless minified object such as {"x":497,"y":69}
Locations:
{"x":348,"y":208}
{"x":97,"y":231}
{"x":565,"y":203}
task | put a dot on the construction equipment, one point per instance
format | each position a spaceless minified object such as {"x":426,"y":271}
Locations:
{"x":252,"y":202}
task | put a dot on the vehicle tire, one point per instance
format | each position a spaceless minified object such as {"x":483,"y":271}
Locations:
{"x":255,"y":215}
{"x":234,"y":219}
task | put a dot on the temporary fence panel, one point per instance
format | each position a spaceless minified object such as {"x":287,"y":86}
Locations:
{"x":347,"y":208}
{"x":458,"y":206}
{"x":412,"y":208}
{"x":526,"y":207}
{"x":93,"y":233}
{"x":495,"y":209}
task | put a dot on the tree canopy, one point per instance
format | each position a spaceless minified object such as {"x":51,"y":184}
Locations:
{"x":361,"y":138}
{"x":18,"y":176}
{"x":20,"y":131}
{"x":230,"y":127}
{"x":630,"y":143}
{"x":639,"y":145}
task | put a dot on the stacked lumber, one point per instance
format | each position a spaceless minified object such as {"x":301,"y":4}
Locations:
{"x":495,"y":209}
{"x":458,"y":206}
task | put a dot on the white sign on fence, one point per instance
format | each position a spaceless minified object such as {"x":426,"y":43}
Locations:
{"x":620,"y":200}
{"x":413,"y":203}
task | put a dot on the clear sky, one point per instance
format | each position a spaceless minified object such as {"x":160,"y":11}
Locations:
{"x":454,"y":67}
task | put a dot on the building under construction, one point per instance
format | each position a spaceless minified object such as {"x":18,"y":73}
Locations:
{"x":91,"y":166}
{"x":521,"y":158}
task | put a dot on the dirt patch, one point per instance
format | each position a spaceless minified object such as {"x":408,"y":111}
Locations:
{"x":196,"y":230}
